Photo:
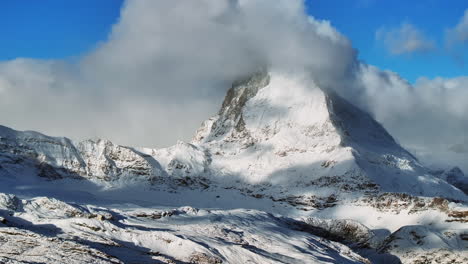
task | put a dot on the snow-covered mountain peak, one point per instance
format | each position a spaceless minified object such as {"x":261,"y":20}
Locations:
{"x":282,"y":129}
{"x":260,"y":107}
{"x":271,"y":105}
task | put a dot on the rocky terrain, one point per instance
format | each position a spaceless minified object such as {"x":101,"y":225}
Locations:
{"x":286,"y":172}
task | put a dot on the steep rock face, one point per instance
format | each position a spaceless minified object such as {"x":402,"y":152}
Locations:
{"x":280,"y":128}
{"x":284,"y":130}
{"x":378,"y":155}
{"x":229,"y":123}
{"x":49,"y":157}
{"x":107,"y":161}
{"x":181,"y":160}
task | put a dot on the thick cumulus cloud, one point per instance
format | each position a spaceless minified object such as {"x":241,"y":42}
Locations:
{"x":210,"y":41}
{"x":166,"y":67}
{"x":430,"y":115}
{"x":428,"y":118}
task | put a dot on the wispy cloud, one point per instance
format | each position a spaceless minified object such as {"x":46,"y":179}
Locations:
{"x":457,"y":37}
{"x":458,"y":34}
{"x":405,"y":39}
{"x":364,"y":3}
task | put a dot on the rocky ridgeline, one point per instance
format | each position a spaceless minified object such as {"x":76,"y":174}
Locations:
{"x":57,"y":158}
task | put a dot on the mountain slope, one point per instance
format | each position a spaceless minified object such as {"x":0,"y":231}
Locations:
{"x":281,"y":129}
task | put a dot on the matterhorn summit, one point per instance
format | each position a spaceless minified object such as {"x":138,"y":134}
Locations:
{"x":284,"y":130}
{"x":285,"y":172}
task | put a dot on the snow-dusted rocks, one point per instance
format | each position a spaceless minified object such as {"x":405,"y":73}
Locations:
{"x":50,"y":234}
{"x":9,"y":202}
{"x":107,"y":161}
{"x":23,"y":246}
{"x":425,"y":244}
{"x":181,"y":160}
{"x":31,"y":153}
{"x":349,"y":231}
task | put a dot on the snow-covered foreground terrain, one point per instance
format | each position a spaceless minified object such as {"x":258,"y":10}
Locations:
{"x":285,"y":173}
{"x":47,"y":230}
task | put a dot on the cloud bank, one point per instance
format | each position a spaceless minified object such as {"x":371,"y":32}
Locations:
{"x":431,"y":114}
{"x":167,"y":65}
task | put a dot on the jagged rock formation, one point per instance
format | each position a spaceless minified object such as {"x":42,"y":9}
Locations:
{"x":279,"y":129}
{"x":48,"y":157}
{"x":57,"y":158}
{"x":107,"y":161}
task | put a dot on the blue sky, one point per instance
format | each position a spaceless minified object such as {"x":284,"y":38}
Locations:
{"x":54,"y":28}
{"x":63,"y":29}
{"x":359,"y":20}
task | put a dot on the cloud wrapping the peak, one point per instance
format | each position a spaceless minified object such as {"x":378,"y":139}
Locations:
{"x":406,"y":39}
{"x":166,"y":66}
{"x":220,"y":40}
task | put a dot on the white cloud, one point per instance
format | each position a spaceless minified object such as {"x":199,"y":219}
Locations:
{"x":429,"y":115}
{"x":457,"y":37}
{"x":406,"y":39}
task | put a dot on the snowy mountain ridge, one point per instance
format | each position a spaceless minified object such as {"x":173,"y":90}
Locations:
{"x":289,"y":123}
{"x":269,"y":126}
